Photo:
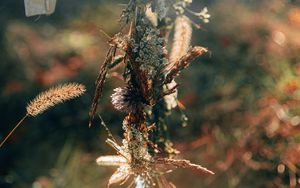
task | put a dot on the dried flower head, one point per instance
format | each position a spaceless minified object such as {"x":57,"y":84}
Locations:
{"x":54,"y":96}
{"x":203,"y":15}
{"x":127,"y":99}
{"x":145,"y":170}
{"x":129,"y":167}
{"x":181,"y":5}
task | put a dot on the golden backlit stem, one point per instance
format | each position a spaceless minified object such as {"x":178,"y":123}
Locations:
{"x":13,"y":130}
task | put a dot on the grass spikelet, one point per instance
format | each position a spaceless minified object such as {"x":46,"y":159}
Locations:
{"x":182,"y":163}
{"x":48,"y":99}
{"x":182,"y":38}
{"x":183,"y":62}
{"x":53,"y":97}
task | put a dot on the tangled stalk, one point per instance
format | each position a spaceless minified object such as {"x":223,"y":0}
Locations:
{"x":150,"y":90}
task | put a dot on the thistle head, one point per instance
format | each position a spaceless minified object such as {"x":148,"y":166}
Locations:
{"x":127,"y":99}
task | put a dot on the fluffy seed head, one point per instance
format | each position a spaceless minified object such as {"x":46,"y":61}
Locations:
{"x":54,"y":96}
{"x":182,"y":38}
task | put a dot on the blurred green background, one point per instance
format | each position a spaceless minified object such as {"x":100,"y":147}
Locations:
{"x":242,"y":99}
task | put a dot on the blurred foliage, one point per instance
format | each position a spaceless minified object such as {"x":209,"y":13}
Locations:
{"x":242,"y":100}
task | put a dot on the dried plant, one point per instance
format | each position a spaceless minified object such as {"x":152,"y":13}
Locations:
{"x":47,"y":99}
{"x":100,"y":82}
{"x":150,"y":169}
{"x":53,"y":97}
{"x":150,"y":91}
{"x":182,"y":38}
{"x":127,"y":99}
{"x":263,"y":136}
{"x":183,"y":62}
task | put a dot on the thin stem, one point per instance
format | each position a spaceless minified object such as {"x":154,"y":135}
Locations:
{"x":13,"y":130}
{"x":105,"y":34}
{"x":107,"y":129}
